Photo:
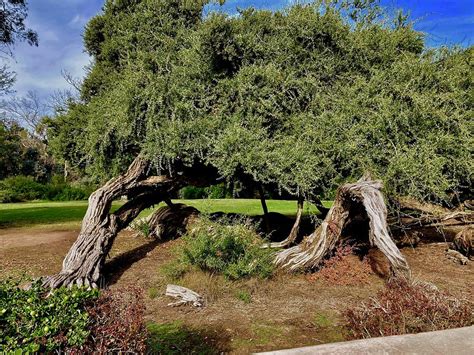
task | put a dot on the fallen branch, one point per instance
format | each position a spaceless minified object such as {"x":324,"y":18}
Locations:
{"x":184,"y":296}
{"x":294,"y":230}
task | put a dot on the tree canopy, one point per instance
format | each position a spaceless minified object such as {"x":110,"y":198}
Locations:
{"x":303,"y":98}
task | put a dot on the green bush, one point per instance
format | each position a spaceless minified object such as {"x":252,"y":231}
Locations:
{"x":21,"y":188}
{"x":34,"y":320}
{"x":194,"y":192}
{"x":25,"y":188}
{"x":233,"y":250}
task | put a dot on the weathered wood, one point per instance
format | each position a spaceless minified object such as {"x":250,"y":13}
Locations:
{"x":366,"y":194}
{"x":184,"y":296}
{"x":84,"y":262}
{"x":456,"y":256}
{"x":170,"y":222}
{"x":464,"y":242}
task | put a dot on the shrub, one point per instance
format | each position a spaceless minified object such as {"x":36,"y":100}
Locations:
{"x":194,"y":192}
{"x":233,"y":250}
{"x":20,"y":188}
{"x":35,"y":321}
{"x":25,"y":188}
{"x":142,"y":227}
{"x":343,"y":269}
{"x":404,"y":307}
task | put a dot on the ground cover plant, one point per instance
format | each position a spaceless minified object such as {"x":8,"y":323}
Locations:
{"x":33,"y":321}
{"x":75,"y":320}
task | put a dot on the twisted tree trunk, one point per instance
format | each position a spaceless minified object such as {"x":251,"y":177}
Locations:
{"x":364,"y":195}
{"x":84,"y":262}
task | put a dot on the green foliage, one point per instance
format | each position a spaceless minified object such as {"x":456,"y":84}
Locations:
{"x":25,"y":188}
{"x":244,"y":296}
{"x":303,"y":98}
{"x":35,"y":321}
{"x":22,"y":155}
{"x":195,"y":192}
{"x":142,"y":227}
{"x":233,"y":250}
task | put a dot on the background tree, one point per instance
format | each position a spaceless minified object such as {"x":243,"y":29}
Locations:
{"x":12,"y":30}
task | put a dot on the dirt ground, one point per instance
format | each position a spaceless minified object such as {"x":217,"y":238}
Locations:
{"x":239,"y":317}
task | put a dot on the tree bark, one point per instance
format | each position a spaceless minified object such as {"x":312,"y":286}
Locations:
{"x":85,"y":260}
{"x":430,"y":222}
{"x":364,"y":195}
{"x":170,"y":222}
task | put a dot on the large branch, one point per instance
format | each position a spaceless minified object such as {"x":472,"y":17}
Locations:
{"x":365,"y":193}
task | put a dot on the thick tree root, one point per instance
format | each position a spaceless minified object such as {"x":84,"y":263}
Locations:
{"x":365,"y":193}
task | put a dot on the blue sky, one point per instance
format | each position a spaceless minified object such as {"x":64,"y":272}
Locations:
{"x":60,"y":25}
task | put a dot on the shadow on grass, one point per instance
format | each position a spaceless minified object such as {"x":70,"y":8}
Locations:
{"x":177,"y":338}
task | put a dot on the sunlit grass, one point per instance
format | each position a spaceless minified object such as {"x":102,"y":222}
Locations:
{"x":70,"y":213}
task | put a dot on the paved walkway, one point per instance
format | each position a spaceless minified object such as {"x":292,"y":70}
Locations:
{"x":458,"y":341}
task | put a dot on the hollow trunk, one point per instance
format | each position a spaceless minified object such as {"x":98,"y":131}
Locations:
{"x":84,"y":262}
{"x":361,"y":201}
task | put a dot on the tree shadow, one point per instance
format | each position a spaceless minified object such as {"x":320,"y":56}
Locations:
{"x":116,"y":267}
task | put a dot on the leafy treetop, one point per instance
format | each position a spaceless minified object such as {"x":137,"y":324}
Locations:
{"x":305,"y":97}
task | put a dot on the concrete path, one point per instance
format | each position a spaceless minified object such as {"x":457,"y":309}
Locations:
{"x":458,"y":341}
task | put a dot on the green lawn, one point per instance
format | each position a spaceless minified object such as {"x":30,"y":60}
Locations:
{"x":71,"y":213}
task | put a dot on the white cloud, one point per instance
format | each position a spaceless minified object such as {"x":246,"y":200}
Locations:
{"x":78,"y":21}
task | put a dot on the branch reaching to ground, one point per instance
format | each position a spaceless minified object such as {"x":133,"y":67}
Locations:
{"x":364,"y":197}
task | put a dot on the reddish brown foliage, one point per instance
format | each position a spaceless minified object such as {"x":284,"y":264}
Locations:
{"x":404,"y":307}
{"x":117,"y":323}
{"x":344,"y":269}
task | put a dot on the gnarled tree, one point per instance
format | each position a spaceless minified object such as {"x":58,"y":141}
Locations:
{"x":303,"y":99}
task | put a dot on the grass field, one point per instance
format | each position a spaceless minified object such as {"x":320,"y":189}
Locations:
{"x":71,"y":213}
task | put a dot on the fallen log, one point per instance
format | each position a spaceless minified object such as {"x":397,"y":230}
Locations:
{"x":362,"y":200}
